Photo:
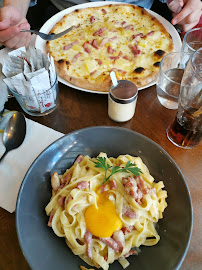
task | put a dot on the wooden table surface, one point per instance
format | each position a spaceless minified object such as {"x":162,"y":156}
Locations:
{"x":78,"y":110}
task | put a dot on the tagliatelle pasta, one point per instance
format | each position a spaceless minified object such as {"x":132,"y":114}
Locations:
{"x":100,"y":222}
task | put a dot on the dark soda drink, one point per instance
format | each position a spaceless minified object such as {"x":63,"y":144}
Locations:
{"x":186,"y":131}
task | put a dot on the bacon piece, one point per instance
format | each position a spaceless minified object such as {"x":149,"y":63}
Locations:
{"x":94,"y":44}
{"x":60,"y":187}
{"x":127,"y":229}
{"x":149,"y":191}
{"x":79,"y":159}
{"x":110,"y":50}
{"x":114,"y":58}
{"x":139,"y":196}
{"x":150,"y":33}
{"x":67,"y":47}
{"x":99,"y":61}
{"x":76,"y":57}
{"x":61,"y":201}
{"x":86,"y":49}
{"x":126,"y":58}
{"x":82,"y":185}
{"x":140,"y":182}
{"x":131,"y":252}
{"x":129,"y":213}
{"x":50,"y":219}
{"x":113,"y":185}
{"x":93,"y":72}
{"x":55,"y":181}
{"x":88,"y":237}
{"x":88,"y":240}
{"x":102,"y":43}
{"x":104,"y":188}
{"x":121,"y":54}
{"x":135,"y":50}
{"x":67,"y":178}
{"x":89,"y":42}
{"x":99,"y":32}
{"x":130,"y":182}
{"x":105,"y":40}
{"x":118,"y":236}
{"x":129,"y":27}
{"x":112,"y":38}
{"x":104,"y":11}
{"x":137,"y":35}
{"x":111,"y":243}
{"x":123,"y":23}
{"x":92,"y":19}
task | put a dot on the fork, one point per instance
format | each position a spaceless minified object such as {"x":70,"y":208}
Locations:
{"x":49,"y":36}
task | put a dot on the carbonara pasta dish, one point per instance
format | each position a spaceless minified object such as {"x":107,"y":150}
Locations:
{"x":106,"y":208}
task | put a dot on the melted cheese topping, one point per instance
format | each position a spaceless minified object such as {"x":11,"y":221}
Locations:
{"x":121,"y":23}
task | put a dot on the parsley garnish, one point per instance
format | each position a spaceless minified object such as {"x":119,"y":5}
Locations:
{"x":130,"y":167}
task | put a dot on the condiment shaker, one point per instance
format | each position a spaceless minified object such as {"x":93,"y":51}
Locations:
{"x":122,"y":100}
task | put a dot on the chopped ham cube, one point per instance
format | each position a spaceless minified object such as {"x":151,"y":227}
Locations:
{"x":94,"y":44}
{"x":55,"y":181}
{"x":129,"y":213}
{"x":76,"y":57}
{"x":104,"y":11}
{"x":67,"y":47}
{"x":99,"y":32}
{"x":79,"y":159}
{"x":92,"y":19}
{"x":61,"y":201}
{"x":88,"y":240}
{"x":86,"y":49}
{"x":82,"y":185}
{"x":111,"y":243}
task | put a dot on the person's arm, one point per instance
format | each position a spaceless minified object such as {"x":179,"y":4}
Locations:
{"x":12,"y":20}
{"x":189,"y":16}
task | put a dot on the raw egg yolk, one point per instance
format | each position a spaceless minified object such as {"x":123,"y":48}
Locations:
{"x":102,"y":221}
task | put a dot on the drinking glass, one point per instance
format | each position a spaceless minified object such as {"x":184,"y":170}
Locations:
{"x":39,"y":104}
{"x":192,"y":40}
{"x":174,"y":5}
{"x":168,"y":83}
{"x":186,"y":129}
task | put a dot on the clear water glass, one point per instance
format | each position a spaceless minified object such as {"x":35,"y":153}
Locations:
{"x":192,"y":40}
{"x":169,"y":78}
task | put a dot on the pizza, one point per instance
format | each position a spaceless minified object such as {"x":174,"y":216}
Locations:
{"x":122,"y":38}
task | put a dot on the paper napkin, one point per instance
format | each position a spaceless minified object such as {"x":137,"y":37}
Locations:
{"x":16,"y":163}
{"x":3,"y":88}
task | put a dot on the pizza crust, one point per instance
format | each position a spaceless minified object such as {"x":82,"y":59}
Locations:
{"x":102,"y":86}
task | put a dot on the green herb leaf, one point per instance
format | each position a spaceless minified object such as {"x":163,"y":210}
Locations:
{"x":130,"y":167}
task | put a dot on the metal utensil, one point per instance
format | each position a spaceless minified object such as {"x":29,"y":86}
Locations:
{"x":14,"y":132}
{"x":49,"y":36}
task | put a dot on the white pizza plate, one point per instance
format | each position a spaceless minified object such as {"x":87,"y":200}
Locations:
{"x":41,"y":44}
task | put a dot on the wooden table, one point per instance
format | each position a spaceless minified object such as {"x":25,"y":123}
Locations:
{"x":78,"y":110}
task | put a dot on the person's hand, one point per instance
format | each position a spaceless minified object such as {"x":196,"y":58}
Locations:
{"x":189,"y":16}
{"x":11,"y":22}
